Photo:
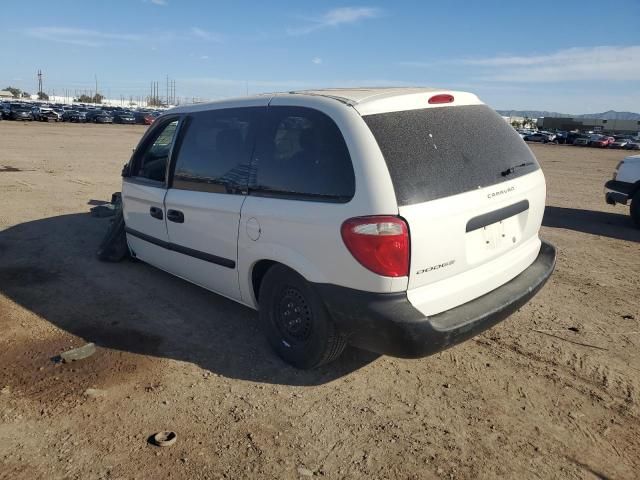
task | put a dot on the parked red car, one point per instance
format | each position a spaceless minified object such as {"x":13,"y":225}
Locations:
{"x":602,"y":141}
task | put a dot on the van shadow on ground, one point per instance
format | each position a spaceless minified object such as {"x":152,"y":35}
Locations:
{"x":612,"y":225}
{"x":49,"y":266}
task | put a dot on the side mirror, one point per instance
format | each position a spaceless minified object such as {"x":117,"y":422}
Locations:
{"x":126,"y":170}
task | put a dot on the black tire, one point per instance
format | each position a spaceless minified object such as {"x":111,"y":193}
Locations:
{"x":311,"y":338}
{"x":635,"y":209}
{"x":113,"y":247}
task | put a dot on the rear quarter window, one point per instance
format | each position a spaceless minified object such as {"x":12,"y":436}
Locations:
{"x":437,"y":152}
{"x":301,"y":154}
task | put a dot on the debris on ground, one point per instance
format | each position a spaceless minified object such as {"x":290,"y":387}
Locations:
{"x":108,"y":209}
{"x":305,"y":472}
{"x":79,"y":353}
{"x":9,"y":169}
{"x":113,"y":247}
{"x":164,"y":439}
{"x":94,"y":393}
{"x":100,"y":211}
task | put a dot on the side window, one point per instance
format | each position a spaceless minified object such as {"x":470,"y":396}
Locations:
{"x":152,"y":162}
{"x":302,"y":154}
{"x":215,"y":151}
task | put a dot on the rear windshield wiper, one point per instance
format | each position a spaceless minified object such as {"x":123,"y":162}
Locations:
{"x":510,"y":170}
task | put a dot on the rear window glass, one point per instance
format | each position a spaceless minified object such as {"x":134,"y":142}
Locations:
{"x":433,"y":153}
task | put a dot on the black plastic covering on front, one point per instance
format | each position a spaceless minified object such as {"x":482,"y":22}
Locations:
{"x":437,"y":152}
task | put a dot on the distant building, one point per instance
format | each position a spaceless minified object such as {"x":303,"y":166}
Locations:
{"x":589,"y":124}
{"x":6,"y":94}
{"x":522,"y":121}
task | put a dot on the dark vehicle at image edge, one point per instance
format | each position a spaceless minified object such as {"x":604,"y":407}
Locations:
{"x":20,"y":112}
{"x":318,"y":209}
{"x":124,"y":118}
{"x":74,"y":116}
{"x":537,"y":137}
{"x":99,"y":116}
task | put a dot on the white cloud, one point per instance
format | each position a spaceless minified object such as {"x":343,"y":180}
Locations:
{"x":335,"y":18}
{"x":568,"y":65}
{"x":316,"y":60}
{"x":159,"y":2}
{"x":205,"y":35}
{"x":417,"y":64}
{"x":204,"y":57}
{"x":79,"y":36}
{"x":573,"y":64}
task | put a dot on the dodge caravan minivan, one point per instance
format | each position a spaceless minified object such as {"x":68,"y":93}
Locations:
{"x":399,"y":220}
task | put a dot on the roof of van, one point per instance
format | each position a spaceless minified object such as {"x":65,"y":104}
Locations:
{"x":366,"y":100}
{"x":360,"y":95}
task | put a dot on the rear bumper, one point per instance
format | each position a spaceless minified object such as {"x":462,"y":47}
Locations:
{"x":391,"y":325}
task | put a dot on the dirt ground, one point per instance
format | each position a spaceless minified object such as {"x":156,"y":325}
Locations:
{"x":552,"y":392}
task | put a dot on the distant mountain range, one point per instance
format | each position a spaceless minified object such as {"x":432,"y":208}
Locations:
{"x":610,"y":115}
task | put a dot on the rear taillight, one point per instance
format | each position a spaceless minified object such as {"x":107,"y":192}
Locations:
{"x":380,"y":244}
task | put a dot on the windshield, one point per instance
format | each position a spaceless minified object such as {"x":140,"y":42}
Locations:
{"x":437,"y":152}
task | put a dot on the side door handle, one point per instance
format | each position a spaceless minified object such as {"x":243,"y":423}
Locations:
{"x":175,"y":216}
{"x":156,"y":212}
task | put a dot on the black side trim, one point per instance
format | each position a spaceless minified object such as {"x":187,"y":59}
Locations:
{"x":497,"y":215}
{"x":207,"y":257}
{"x":147,"y":238}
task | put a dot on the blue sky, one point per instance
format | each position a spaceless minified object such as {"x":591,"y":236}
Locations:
{"x":569,"y":56}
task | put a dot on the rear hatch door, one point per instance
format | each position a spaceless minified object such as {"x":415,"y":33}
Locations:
{"x":472,"y":194}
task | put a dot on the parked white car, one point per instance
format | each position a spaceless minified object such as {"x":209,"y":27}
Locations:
{"x":624,"y":188}
{"x":402,"y":221}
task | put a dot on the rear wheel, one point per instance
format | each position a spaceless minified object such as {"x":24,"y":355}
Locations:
{"x":635,"y":209}
{"x":295,"y":320}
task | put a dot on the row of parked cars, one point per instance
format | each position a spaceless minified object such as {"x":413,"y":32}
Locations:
{"x":26,"y":111}
{"x":628,"y":142}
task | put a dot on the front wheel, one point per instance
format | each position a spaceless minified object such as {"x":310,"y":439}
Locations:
{"x":296,"y":322}
{"x":635,"y":209}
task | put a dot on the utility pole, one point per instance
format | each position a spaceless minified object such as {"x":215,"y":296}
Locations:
{"x":39,"y":81}
{"x":96,"y":95}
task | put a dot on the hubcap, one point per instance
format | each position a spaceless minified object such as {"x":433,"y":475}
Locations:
{"x":293,"y":316}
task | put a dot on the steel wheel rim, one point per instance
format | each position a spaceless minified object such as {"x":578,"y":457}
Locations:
{"x":293,"y":316}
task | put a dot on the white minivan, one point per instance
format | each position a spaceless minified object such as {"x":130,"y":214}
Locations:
{"x":399,"y":220}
